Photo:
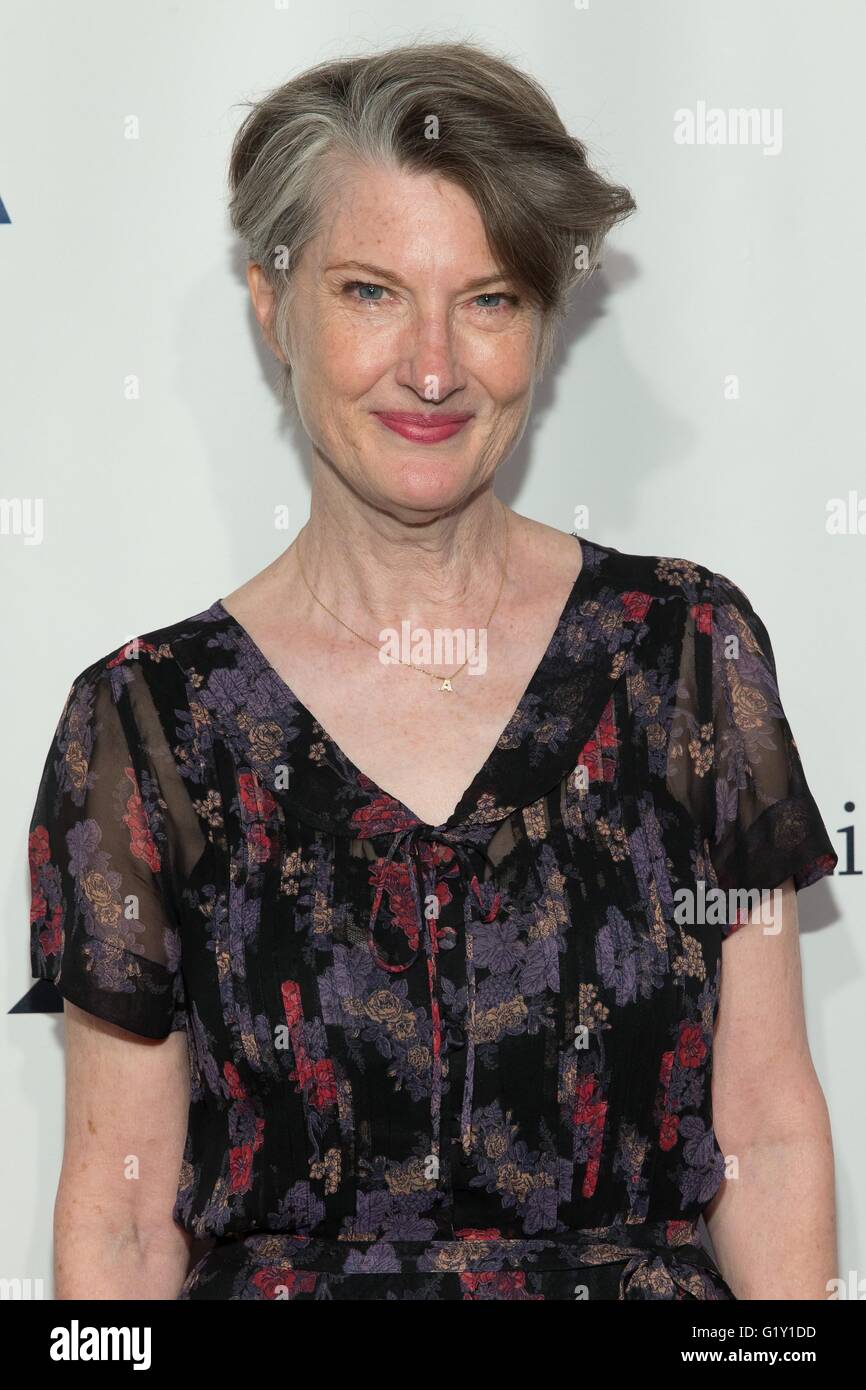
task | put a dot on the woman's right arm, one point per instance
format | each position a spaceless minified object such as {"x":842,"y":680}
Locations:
{"x":126,"y":1116}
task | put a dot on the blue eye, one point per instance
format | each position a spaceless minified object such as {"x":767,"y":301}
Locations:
{"x":365,"y":292}
{"x":496,"y":294}
{"x":361,"y":285}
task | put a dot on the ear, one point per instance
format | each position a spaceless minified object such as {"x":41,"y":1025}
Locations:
{"x":263,"y":297}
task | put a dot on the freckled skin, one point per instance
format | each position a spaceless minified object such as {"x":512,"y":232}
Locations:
{"x":351,"y":356}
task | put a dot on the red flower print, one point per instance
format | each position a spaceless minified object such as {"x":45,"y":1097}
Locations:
{"x":51,"y":936}
{"x":491,"y":912}
{"x":635,"y":604}
{"x":691,"y":1048}
{"x":703,"y":616}
{"x":304,"y":1073}
{"x":255,"y":799}
{"x":438,"y":854}
{"x":324,"y":1093}
{"x":122,"y":654}
{"x":669,"y":1132}
{"x":291,"y":994}
{"x":141,"y":841}
{"x":236,"y":1088}
{"x":393,"y":877}
{"x":589,"y":1110}
{"x":443,"y":894}
{"x":666,"y":1069}
{"x":38,"y":850}
{"x":596,"y":753}
{"x":678,"y":1231}
{"x":38,"y":905}
{"x":258,"y":844}
{"x":590,"y":1113}
{"x":317,"y":1078}
{"x":51,"y":931}
{"x":497,"y":1284}
{"x":272,"y":1282}
{"x":240,"y":1168}
{"x":384,"y":814}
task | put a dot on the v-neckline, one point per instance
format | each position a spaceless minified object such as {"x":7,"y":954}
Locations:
{"x":375,"y":791}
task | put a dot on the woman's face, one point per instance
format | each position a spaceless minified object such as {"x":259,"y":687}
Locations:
{"x":397,"y":306}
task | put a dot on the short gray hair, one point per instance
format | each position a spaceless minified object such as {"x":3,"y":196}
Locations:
{"x":497,"y":135}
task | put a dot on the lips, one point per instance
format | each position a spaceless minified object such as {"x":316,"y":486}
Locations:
{"x":420,"y":428}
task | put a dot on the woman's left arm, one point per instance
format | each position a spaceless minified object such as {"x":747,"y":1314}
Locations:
{"x":772,"y":1222}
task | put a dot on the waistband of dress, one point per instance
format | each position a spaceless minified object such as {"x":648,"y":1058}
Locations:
{"x":475,"y":1250}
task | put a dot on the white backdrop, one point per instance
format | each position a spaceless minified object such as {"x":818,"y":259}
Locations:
{"x":707,"y":402}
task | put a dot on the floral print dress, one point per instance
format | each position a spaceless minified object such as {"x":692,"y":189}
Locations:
{"x":464,"y":1061}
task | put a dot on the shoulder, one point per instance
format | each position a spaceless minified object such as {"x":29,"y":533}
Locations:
{"x":165,"y":657}
{"x":681,"y":605}
{"x":664,"y":578}
{"x":658,"y":576}
{"x":138,"y":701}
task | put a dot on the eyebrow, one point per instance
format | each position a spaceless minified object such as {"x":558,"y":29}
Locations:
{"x":380,"y":273}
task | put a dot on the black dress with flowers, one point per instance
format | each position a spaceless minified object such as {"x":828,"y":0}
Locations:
{"x":464,"y":1061}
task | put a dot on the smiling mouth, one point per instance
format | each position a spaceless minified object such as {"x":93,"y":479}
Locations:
{"x":421,"y":428}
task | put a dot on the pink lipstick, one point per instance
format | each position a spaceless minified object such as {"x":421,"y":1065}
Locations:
{"x":421,"y":428}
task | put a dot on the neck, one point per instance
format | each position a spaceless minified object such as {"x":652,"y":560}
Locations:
{"x":370,"y":567}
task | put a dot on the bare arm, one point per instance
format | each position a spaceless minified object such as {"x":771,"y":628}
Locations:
{"x":773,"y":1224}
{"x":126,"y":1114}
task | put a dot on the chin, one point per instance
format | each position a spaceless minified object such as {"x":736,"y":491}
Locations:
{"x":428,"y":484}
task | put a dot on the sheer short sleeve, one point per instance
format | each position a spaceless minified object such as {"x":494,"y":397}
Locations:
{"x":103,"y":923}
{"x":764,"y":824}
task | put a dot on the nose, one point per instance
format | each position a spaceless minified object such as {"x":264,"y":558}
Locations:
{"x":430,"y":354}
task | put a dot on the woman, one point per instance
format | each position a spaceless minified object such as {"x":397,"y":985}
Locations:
{"x":408,"y":969}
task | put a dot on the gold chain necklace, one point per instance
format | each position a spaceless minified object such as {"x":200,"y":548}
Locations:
{"x":445,"y":684}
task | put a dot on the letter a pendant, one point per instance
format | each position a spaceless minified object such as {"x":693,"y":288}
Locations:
{"x":446,"y":685}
